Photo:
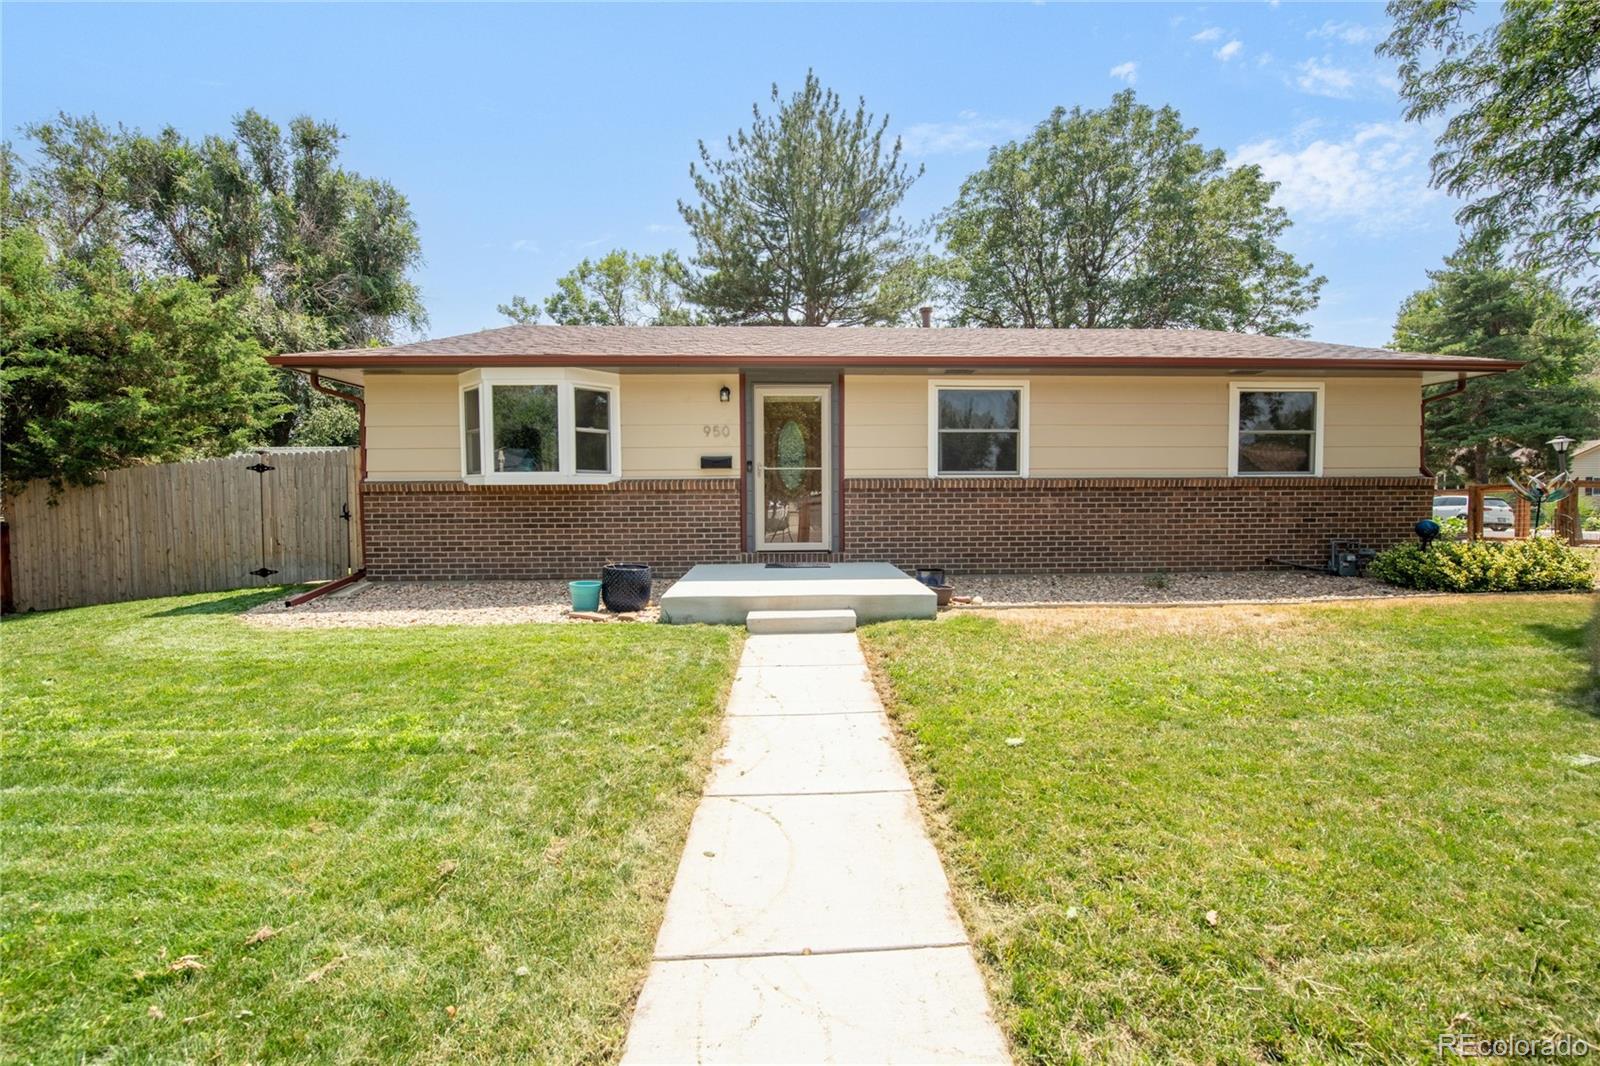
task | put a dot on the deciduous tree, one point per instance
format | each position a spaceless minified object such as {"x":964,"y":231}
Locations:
{"x":1521,"y":140}
{"x":99,"y":369}
{"x":621,"y":288}
{"x":1120,"y":218}
{"x":318,"y":255}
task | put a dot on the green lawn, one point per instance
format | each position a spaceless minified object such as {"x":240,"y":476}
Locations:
{"x":1382,"y":804}
{"x":463,"y":837}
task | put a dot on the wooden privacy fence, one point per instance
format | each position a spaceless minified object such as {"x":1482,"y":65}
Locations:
{"x":275,"y":517}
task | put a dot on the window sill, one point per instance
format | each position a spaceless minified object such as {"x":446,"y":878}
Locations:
{"x":541,"y":479}
{"x":943,"y":475}
{"x":1274,"y":473}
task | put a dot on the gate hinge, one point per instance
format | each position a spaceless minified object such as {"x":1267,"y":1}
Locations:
{"x":262,"y":571}
{"x":260,"y":468}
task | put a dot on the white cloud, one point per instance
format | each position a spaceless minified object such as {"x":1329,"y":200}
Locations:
{"x":1374,"y":178}
{"x":1210,"y":33}
{"x":1323,"y":77}
{"x":1229,"y":50}
{"x":666,"y":227}
{"x":1348,"y":32}
{"x":1127,"y":72}
{"x":525,"y":245}
{"x":971,"y":132}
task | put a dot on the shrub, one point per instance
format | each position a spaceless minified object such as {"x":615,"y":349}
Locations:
{"x":1540,"y":564}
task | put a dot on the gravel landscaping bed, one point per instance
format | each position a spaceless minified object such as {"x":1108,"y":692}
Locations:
{"x":1275,"y":586}
{"x":437,"y":603}
{"x":478,"y":603}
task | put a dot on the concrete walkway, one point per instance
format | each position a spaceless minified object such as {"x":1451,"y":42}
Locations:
{"x":810,"y":920}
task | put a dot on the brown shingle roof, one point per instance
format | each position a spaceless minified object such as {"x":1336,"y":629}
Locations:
{"x":623,"y":346}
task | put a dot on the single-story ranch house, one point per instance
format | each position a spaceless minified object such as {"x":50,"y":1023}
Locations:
{"x":547,"y":451}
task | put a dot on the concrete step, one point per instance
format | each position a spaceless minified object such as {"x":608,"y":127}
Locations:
{"x":821,"y":621}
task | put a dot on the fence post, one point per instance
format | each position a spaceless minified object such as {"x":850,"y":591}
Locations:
{"x":1474,"y":512}
{"x":1523,"y":529}
{"x":1568,"y":525}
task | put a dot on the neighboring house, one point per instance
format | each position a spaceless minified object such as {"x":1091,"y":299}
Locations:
{"x":545,"y":451}
{"x":1584,"y":462}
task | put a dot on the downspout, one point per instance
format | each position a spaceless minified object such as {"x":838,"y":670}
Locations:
{"x":361,"y":480}
{"x":361,"y":415}
{"x":1422,"y":427}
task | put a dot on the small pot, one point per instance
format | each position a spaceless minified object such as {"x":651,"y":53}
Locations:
{"x":585,"y":595}
{"x":625,"y":587}
{"x":944,"y":592}
{"x":932,"y":576}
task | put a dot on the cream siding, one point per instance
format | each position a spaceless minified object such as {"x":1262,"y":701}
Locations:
{"x":665,"y":423}
{"x":1132,"y":426}
{"x":1088,"y":426}
{"x":1373,"y":427}
{"x":414,"y":426}
{"x":1587,"y":464}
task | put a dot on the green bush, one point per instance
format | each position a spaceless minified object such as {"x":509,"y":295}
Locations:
{"x":1483,"y":566}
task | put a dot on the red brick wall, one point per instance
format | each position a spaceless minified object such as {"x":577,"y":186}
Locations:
{"x":990,"y":525}
{"x":447,"y":530}
{"x":433,"y":530}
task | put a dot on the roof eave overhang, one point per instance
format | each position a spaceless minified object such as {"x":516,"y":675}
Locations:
{"x":357,"y":361}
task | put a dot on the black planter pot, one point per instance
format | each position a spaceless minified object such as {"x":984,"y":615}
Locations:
{"x":625,"y":587}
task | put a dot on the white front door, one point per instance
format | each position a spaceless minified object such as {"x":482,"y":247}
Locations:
{"x":794,"y":452}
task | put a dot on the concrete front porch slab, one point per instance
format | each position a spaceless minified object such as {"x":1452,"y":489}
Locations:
{"x":725,"y":593}
{"x":807,"y":873}
{"x":916,"y":1006}
{"x":809,"y":753}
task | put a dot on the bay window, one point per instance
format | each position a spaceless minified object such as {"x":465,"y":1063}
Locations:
{"x":591,"y":421}
{"x":977,"y":429}
{"x":1276,"y":430}
{"x":533,"y":427}
{"x":472,"y":433}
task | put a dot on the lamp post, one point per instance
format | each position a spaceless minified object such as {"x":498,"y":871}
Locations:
{"x":1561,"y":444}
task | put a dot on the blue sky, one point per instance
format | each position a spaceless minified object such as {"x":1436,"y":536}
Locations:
{"x":527,"y":137}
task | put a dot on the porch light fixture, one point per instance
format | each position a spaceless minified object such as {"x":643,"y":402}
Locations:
{"x":725,"y":394}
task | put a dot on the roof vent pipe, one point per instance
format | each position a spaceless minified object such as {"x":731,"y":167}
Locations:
{"x":927,"y":316}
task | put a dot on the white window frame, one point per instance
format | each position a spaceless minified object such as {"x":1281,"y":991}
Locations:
{"x":1019,"y":385}
{"x":1235,"y":388}
{"x":564,"y":380}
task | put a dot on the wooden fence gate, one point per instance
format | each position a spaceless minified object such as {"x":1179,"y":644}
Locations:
{"x":275,"y":517}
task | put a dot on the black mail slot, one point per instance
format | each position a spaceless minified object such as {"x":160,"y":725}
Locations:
{"x":716,"y":462}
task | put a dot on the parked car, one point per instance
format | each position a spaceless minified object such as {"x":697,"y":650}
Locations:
{"x":1497,"y":513}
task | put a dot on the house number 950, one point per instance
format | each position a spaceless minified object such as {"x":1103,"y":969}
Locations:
{"x":717,"y":431}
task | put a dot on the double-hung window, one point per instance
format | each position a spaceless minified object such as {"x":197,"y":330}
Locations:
{"x":532,"y":427}
{"x":977,"y":429}
{"x":1276,"y":430}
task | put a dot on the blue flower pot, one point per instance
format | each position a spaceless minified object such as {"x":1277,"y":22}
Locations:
{"x":585,"y":595}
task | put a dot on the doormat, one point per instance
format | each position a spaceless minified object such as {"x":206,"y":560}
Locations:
{"x":798,"y":566}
